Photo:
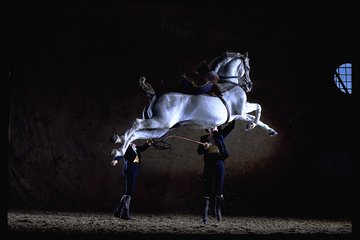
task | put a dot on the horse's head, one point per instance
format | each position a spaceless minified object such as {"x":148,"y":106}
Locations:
{"x":233,"y":67}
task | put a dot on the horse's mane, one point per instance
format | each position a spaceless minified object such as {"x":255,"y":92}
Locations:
{"x":225,"y":55}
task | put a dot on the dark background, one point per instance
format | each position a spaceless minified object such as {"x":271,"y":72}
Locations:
{"x":73,"y":72}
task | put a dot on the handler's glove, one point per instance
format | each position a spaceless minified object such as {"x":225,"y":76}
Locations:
{"x":207,"y":145}
{"x":149,"y":141}
{"x":114,"y":162}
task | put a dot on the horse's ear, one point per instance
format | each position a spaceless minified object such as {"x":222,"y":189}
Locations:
{"x":246,"y":54}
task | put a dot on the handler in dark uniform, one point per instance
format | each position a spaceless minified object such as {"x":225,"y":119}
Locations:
{"x":131,"y":159}
{"x":215,"y":153}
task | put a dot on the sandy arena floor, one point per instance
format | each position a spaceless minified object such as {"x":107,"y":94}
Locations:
{"x":23,"y":223}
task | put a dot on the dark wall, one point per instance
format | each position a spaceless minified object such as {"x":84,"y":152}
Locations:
{"x":74,"y":70}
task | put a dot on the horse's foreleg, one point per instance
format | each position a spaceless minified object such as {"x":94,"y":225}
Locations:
{"x":247,"y":118}
{"x":268,"y":129}
{"x":250,"y":119}
{"x":251,"y":107}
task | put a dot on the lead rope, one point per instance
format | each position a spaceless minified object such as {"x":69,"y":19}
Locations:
{"x":162,"y":144}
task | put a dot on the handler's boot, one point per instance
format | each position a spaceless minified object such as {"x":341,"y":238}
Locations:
{"x":205,"y":217}
{"x":218,"y":204}
{"x":120,"y":208}
{"x":126,"y":211}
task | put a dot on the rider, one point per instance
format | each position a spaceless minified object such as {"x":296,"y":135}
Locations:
{"x":202,"y":80}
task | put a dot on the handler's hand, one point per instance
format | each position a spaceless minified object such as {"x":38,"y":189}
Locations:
{"x":207,"y":145}
{"x":114,"y":162}
{"x":149,"y":141}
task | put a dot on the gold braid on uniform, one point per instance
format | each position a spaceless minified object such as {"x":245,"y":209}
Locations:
{"x":136,"y":160}
{"x":213,"y":149}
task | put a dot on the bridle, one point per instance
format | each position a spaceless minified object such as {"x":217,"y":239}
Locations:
{"x":241,"y":79}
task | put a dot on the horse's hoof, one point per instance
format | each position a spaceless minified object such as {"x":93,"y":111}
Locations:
{"x":115,"y":139}
{"x":115,"y":153}
{"x":273,"y":133}
{"x":114,"y":162}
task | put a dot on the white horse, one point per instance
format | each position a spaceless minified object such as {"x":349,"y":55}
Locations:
{"x":174,"y":109}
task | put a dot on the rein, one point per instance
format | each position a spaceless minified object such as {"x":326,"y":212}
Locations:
{"x":223,"y":79}
{"x":239,"y":78}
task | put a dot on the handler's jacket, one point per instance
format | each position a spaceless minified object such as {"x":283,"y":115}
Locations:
{"x":135,"y":157}
{"x":218,"y":150}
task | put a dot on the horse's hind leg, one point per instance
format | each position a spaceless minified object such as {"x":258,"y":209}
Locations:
{"x":142,"y":134}
{"x":134,"y":127}
{"x":146,"y":134}
{"x":121,"y":139}
{"x":139,"y":125}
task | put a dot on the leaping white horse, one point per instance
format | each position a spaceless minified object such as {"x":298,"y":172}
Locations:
{"x":174,"y":109}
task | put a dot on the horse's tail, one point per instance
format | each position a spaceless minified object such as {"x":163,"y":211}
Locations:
{"x":147,"y":87}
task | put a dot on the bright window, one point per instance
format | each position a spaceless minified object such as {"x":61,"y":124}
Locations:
{"x":343,"y":78}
